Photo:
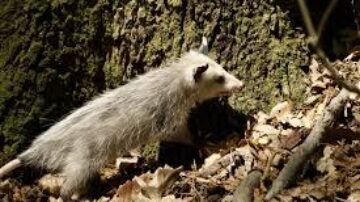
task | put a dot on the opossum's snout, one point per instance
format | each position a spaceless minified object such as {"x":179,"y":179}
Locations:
{"x":237,"y":87}
{"x":234,"y":86}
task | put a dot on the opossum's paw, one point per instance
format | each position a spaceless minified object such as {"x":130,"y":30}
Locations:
{"x":52,"y":199}
{"x":81,"y":199}
{"x":51,"y":183}
{"x":74,"y":197}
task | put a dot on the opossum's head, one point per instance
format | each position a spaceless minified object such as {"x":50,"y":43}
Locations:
{"x":209,"y":79}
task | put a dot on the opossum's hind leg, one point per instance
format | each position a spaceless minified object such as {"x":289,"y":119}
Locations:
{"x":77,"y":177}
{"x":7,"y":168}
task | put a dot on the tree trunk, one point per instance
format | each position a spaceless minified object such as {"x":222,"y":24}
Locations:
{"x":55,"y":55}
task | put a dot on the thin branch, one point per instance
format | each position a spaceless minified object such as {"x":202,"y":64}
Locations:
{"x":314,"y":40}
{"x":245,"y":191}
{"x":334,"y":73}
{"x":325,"y":17}
{"x":304,"y":151}
{"x":268,"y":166}
{"x":307,"y":19}
{"x":221,"y":163}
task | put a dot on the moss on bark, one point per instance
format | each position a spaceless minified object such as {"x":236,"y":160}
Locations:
{"x":51,"y":59}
{"x":253,"y":39}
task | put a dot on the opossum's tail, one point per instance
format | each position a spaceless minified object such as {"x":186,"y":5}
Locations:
{"x":7,"y":168}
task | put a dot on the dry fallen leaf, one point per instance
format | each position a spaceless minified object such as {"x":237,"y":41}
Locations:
{"x":286,"y":132}
{"x":354,"y":55}
{"x":309,"y":118}
{"x":264,"y":133}
{"x":147,"y":187}
{"x":354,"y":197}
{"x":216,"y":169}
{"x":172,"y":198}
{"x":354,"y":96}
{"x":312,"y":99}
{"x":315,"y":69}
{"x":291,"y":141}
{"x":266,"y":130}
{"x":263,"y":140}
{"x":261,"y":117}
{"x":211,"y":160}
{"x":355,"y":182}
{"x":281,"y":111}
{"x":294,"y":122}
{"x":326,"y":164}
{"x":318,"y":85}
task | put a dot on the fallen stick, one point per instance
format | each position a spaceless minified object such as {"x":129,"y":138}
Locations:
{"x":225,"y":161}
{"x":312,"y":142}
{"x":245,"y":191}
{"x":219,"y":164}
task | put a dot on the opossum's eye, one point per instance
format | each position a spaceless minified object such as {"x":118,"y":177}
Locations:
{"x":220,"y":79}
{"x":199,"y":70}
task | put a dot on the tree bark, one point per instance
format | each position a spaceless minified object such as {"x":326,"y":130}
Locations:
{"x":55,"y":55}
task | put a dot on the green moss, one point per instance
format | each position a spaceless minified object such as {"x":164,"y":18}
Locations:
{"x":270,"y":59}
{"x":35,"y":52}
{"x":51,"y":56}
{"x":150,"y":151}
{"x":175,"y":3}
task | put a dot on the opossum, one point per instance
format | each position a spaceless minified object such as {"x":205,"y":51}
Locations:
{"x":152,"y":106}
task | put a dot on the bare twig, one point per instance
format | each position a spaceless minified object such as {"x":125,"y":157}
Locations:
{"x":245,"y":191}
{"x":307,"y":19}
{"x":224,"y":162}
{"x":325,"y":17}
{"x":268,"y":165}
{"x":314,"y":40}
{"x":304,"y":151}
{"x":335,"y":74}
{"x":219,"y":164}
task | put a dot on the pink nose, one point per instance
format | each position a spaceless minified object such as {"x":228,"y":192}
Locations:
{"x":239,"y":87}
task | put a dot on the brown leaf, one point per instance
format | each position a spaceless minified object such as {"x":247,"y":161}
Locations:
{"x":354,"y":56}
{"x":326,"y":163}
{"x":291,"y":141}
{"x":147,"y":187}
{"x":281,"y":111}
{"x":354,"y":197}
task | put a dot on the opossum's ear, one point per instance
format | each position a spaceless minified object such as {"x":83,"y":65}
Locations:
{"x":199,"y":71}
{"x":204,"y":48}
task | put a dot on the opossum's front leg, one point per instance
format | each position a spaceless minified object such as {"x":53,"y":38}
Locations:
{"x":182,"y":135}
{"x":78,"y":172}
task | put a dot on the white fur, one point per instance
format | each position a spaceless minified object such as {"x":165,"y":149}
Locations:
{"x":152,"y":106}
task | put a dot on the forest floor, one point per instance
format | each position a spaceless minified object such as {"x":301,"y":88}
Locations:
{"x":331,"y":171}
